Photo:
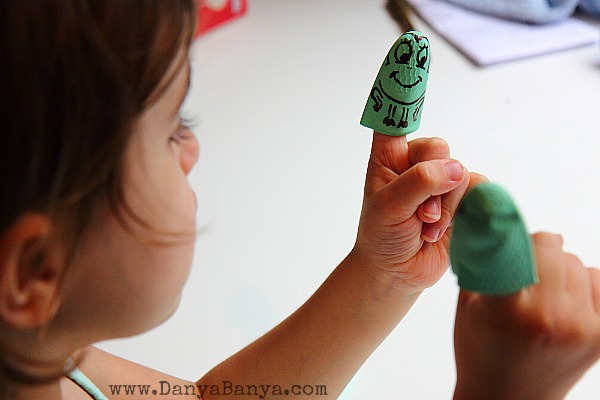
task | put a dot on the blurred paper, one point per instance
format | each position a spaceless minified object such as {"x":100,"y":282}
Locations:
{"x":487,"y":40}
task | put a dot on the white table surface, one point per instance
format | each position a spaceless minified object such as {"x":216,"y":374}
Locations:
{"x":278,"y":95}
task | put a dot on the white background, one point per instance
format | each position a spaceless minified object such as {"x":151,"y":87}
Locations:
{"x":278,"y":95}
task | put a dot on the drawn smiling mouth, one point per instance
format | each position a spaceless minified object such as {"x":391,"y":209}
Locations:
{"x":408,"y":86}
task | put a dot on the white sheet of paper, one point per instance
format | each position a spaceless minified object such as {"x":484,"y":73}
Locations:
{"x":488,"y":40}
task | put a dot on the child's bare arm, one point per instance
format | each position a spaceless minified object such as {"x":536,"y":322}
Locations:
{"x":412,"y":190}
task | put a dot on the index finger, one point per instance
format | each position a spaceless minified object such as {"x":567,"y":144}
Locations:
{"x":391,"y":152}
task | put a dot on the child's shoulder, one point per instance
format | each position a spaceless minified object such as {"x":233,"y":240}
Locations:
{"x":118,"y":378}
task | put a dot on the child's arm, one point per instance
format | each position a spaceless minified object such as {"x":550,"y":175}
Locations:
{"x":327,"y":340}
{"x":535,"y":344}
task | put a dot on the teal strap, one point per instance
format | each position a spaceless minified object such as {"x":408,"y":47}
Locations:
{"x":88,"y":386}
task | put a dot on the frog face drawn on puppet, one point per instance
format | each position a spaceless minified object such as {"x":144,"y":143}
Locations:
{"x":396,"y":100}
{"x":408,"y":66}
{"x":405,"y":70}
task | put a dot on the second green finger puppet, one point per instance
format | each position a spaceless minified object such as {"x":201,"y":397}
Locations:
{"x":395,"y":103}
{"x":490,"y":250}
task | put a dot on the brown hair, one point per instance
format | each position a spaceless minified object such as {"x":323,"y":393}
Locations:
{"x":74,"y":76}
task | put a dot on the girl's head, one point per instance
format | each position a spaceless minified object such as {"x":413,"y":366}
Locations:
{"x":96,"y":214}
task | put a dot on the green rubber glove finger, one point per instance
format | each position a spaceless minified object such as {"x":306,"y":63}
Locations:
{"x":490,"y":249}
{"x":395,"y":103}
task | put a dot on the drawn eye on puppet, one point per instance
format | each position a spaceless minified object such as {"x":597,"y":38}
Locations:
{"x":423,"y":57}
{"x":404,"y":52}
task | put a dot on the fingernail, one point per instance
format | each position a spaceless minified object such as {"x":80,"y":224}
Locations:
{"x":454,"y":170}
{"x":430,"y":233}
{"x":432,"y":210}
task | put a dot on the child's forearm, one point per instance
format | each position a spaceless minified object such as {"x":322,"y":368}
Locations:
{"x":325,"y":341}
{"x":320,"y":347}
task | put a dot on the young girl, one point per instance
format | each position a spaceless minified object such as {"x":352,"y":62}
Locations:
{"x":97,"y":224}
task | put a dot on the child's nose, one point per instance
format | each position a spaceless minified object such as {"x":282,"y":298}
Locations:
{"x":190,"y":151}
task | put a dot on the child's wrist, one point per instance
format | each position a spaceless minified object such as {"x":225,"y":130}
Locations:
{"x":383,"y":282}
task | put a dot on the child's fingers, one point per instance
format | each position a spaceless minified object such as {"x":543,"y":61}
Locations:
{"x":430,"y":211}
{"x":594,"y":274}
{"x":532,"y":300}
{"x":475,"y":179}
{"x":550,"y":260}
{"x":578,"y":283}
{"x":425,"y":149}
{"x":561,"y":272}
{"x":432,"y":232}
{"x":420,"y":182}
{"x":552,"y":270}
{"x":447,"y":206}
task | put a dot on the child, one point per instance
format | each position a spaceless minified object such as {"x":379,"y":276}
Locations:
{"x":97,"y":224}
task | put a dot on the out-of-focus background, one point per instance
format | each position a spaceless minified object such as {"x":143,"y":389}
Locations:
{"x":278,"y":93}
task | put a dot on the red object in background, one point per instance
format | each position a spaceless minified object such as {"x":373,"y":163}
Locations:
{"x":212,"y":13}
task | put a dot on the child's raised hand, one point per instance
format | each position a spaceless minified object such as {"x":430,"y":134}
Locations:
{"x":412,"y":190}
{"x":537,"y":343}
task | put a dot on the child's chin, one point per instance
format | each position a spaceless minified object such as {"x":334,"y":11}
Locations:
{"x":170,"y":311}
{"x":157,"y":319}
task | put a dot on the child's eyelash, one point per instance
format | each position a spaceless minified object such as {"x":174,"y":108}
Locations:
{"x":182,"y":132}
{"x":188,"y":121}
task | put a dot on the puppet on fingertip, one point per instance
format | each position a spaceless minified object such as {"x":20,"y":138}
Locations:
{"x":396,"y":100}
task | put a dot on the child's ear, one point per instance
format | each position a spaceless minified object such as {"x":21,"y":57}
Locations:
{"x":30,"y":273}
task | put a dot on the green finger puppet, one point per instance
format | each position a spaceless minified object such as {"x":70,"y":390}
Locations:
{"x":490,"y":250}
{"x":396,"y":100}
